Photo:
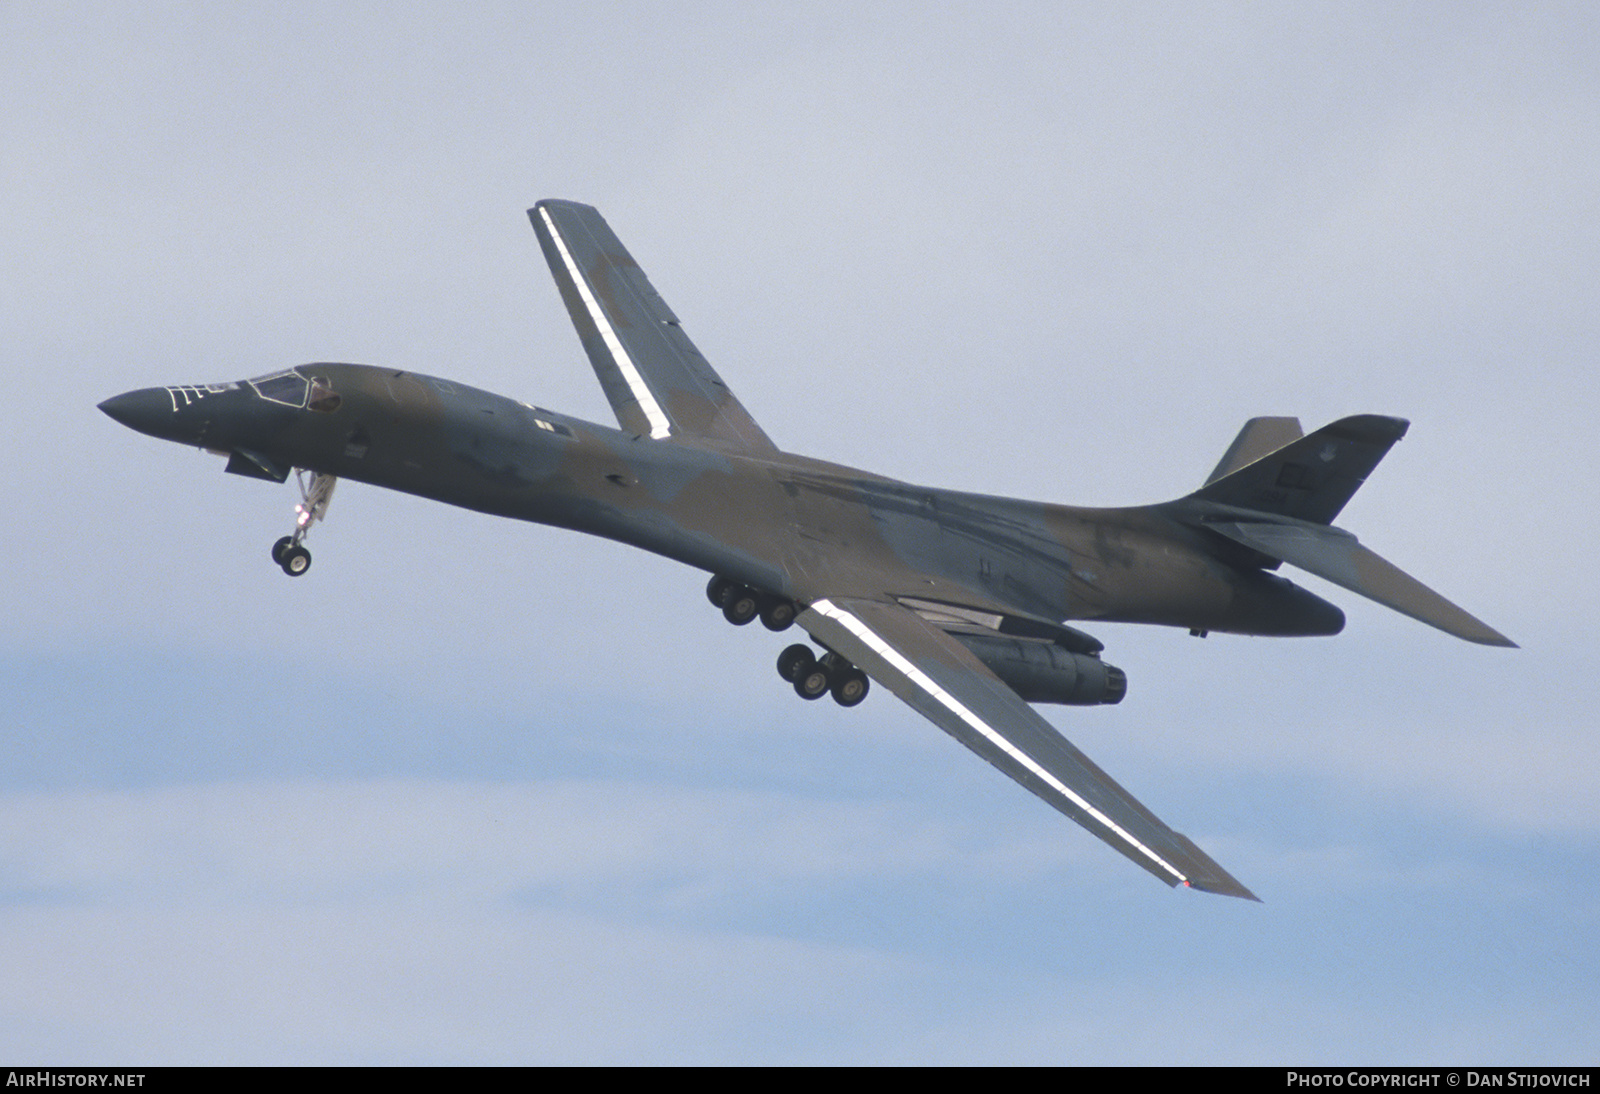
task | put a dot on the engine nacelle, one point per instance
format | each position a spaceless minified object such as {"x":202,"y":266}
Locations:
{"x":1043,"y":672}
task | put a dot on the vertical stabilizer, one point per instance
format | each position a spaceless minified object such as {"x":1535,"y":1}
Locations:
{"x":1259,"y":437}
{"x":1310,"y":479}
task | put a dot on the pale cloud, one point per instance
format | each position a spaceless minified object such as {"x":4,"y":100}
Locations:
{"x":583,"y":921}
{"x":316,"y":842}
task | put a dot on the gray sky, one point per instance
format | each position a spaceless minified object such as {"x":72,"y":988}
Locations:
{"x":475,"y":791}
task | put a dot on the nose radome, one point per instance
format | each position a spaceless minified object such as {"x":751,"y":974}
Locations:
{"x":148,"y":410}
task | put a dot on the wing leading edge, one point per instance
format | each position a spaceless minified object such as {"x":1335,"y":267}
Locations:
{"x":943,"y":681}
{"x":659,"y":385}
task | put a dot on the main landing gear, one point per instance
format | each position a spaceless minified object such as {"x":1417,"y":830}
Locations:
{"x":315,"y":494}
{"x":812,"y":676}
{"x":740,"y":604}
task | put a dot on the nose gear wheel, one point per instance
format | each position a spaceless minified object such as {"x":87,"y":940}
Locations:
{"x":315,"y":494}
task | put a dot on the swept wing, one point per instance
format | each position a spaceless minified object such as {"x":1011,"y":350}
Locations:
{"x":659,"y":385}
{"x":942,"y":680}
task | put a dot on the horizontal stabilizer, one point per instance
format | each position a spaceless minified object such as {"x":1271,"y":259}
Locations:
{"x":1309,"y":479}
{"x":1337,"y":556}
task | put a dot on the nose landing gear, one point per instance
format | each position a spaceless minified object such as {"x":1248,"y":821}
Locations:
{"x":294,"y":558}
{"x":315,"y":494}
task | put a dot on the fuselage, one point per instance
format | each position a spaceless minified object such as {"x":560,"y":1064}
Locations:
{"x":791,"y":525}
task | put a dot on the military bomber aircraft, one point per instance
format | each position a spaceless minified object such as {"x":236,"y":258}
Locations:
{"x":958,"y":603}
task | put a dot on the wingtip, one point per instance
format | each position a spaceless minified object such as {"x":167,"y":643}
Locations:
{"x":556,"y":203}
{"x":1495,"y":638}
{"x":1477,"y":632}
{"x":1223,"y":886}
{"x":1206,"y":875}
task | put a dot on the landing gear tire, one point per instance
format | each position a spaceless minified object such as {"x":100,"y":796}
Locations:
{"x":794,"y":661}
{"x":281,"y":546}
{"x":777,"y":614}
{"x":718,"y":589}
{"x":295,"y":561}
{"x":849,"y":687}
{"x":741,"y":606}
{"x":812,"y":683}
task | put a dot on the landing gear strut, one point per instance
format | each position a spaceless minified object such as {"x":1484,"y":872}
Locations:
{"x":315,"y":494}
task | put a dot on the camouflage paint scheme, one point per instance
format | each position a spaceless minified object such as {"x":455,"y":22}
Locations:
{"x":958,"y":603}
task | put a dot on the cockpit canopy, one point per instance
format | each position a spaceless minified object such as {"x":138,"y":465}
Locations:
{"x":292,"y":389}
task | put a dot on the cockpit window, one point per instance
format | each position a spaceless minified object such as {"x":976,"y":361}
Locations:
{"x":323,"y":398}
{"x":288,"y":388}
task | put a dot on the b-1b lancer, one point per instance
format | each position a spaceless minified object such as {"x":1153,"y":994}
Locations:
{"x":958,"y":603}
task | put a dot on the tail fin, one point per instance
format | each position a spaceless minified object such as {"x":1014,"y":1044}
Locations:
{"x":1307,"y":479}
{"x":1259,"y":437}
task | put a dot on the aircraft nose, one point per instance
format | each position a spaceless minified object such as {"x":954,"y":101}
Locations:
{"x":148,"y":410}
